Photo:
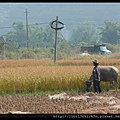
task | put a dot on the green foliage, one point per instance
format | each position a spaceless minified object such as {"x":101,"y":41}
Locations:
{"x":10,"y":55}
{"x":37,"y":36}
{"x":42,"y":40}
{"x":85,"y":33}
{"x":19,"y":33}
{"x":28,"y":54}
{"x":111,"y":32}
{"x":64,"y":46}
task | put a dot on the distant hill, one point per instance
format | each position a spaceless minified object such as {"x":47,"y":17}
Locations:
{"x":68,"y":13}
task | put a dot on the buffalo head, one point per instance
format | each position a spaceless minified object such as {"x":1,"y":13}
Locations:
{"x":88,"y":85}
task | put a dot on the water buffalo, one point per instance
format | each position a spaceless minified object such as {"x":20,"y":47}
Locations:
{"x":107,"y":74}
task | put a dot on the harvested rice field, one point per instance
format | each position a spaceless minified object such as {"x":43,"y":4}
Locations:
{"x":65,"y":103}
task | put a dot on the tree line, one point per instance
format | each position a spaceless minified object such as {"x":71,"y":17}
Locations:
{"x":42,"y":39}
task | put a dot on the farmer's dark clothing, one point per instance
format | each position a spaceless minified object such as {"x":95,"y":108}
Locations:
{"x":96,"y":85}
{"x":96,"y":79}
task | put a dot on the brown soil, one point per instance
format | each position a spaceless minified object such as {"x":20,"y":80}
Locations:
{"x":66,"y":103}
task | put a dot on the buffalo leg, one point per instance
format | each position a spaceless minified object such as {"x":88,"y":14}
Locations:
{"x":111,"y":84}
{"x":117,"y":85}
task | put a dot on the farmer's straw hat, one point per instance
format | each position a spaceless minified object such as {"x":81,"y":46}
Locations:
{"x":95,"y":61}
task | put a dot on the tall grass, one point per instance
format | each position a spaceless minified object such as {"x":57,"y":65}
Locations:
{"x":18,"y":76}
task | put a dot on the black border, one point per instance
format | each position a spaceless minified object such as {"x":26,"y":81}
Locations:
{"x":59,"y":116}
{"x":60,"y":1}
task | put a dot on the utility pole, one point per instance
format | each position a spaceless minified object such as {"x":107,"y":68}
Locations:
{"x":55,"y":56}
{"x":27,"y":28}
{"x":56,"y":28}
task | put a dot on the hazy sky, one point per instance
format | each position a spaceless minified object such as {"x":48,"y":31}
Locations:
{"x":69,"y":13}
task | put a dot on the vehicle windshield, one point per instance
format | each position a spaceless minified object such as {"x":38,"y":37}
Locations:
{"x":103,"y":48}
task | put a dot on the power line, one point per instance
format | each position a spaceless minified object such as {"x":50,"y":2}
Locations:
{"x":43,"y":23}
{"x":68,"y":24}
{"x":5,"y":27}
{"x":24,"y":25}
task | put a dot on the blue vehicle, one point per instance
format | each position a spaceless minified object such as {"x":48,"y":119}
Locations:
{"x":96,"y":49}
{"x":104,"y":50}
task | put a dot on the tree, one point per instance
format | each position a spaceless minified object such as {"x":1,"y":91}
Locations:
{"x":85,"y":33}
{"x":111,"y":32}
{"x":48,"y":37}
{"x":19,"y":30}
{"x":63,"y":46}
{"x":35,"y":35}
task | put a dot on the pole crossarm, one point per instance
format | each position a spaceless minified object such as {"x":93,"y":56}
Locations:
{"x":58,"y":28}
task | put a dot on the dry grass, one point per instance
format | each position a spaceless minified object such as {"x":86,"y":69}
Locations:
{"x":17,"y":76}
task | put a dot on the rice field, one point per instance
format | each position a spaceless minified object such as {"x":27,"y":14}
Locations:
{"x":28,"y":76}
{"x":56,"y":88}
